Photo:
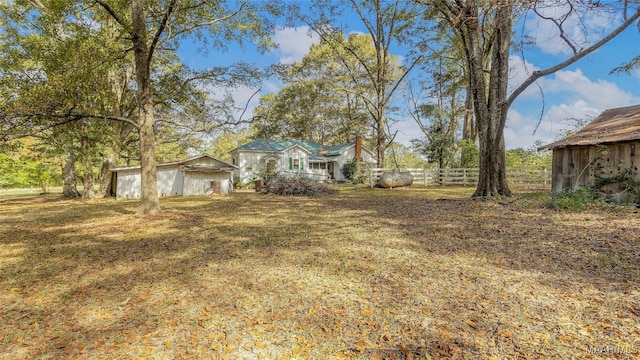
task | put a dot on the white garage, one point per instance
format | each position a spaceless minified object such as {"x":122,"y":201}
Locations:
{"x":198,"y":175}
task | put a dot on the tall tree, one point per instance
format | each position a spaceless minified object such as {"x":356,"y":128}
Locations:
{"x":147,"y":27}
{"x":56,"y":69}
{"x":320,"y":100}
{"x":387,"y":23}
{"x":68,"y":66}
{"x":487,"y":28}
{"x":438,"y":109}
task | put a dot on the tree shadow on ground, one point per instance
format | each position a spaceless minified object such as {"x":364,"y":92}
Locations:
{"x":81,"y":277}
{"x":599,"y":247}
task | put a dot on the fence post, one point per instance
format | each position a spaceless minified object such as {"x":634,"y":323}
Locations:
{"x":371,"y":177}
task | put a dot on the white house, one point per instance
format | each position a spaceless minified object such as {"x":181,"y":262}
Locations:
{"x":198,"y":175}
{"x":296,"y":157}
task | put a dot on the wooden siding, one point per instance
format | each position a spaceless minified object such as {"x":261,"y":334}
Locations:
{"x":128,"y":186}
{"x":170,"y":181}
{"x":577,"y":166}
{"x":174,"y":180}
{"x":199,"y":182}
{"x":252,"y":163}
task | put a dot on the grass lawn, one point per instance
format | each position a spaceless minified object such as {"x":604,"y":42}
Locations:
{"x":365,"y":274}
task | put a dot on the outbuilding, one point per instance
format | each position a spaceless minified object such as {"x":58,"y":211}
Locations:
{"x":197,"y":175}
{"x":605,"y":154}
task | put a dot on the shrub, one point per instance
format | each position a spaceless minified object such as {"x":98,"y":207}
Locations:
{"x":297,"y":185}
{"x":349,"y":169}
{"x":623,"y":182}
{"x":354,"y":171}
{"x":575,"y":200}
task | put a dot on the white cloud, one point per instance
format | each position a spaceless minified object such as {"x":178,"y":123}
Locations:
{"x":519,"y":131}
{"x":271,"y":86}
{"x":407,"y":130}
{"x":569,"y":95}
{"x":599,"y":94}
{"x":519,"y":70}
{"x":524,"y":130}
{"x":581,"y":30}
{"x":242,"y":95}
{"x":294,"y":43}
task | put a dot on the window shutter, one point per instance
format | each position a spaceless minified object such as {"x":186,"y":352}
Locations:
{"x":290,"y":163}
{"x":301,"y":164}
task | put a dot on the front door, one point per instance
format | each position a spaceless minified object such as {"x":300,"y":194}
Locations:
{"x":330,"y":170}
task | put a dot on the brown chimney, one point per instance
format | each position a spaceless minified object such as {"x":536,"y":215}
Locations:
{"x":358,"y":147}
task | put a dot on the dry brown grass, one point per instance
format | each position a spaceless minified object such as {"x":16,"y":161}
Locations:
{"x":364,"y":274}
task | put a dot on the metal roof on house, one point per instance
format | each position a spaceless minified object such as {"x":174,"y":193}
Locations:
{"x":613,"y":125}
{"x":337,"y":149}
{"x":318,"y":152}
{"x":279,"y":145}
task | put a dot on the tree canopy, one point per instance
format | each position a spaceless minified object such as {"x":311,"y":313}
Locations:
{"x":98,"y":83}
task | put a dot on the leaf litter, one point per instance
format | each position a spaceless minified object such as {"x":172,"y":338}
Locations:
{"x":360,"y":275}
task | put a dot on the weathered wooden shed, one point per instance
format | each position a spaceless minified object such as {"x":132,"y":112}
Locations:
{"x":602,"y":153}
{"x":198,"y":175}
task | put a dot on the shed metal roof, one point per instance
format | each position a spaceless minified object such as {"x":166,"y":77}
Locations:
{"x":613,"y":125}
{"x":226,"y":165}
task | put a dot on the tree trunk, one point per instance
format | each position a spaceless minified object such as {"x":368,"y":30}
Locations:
{"x":69,"y":189}
{"x":87,"y":176}
{"x":149,"y":200}
{"x":469,"y":132}
{"x":492,"y":177}
{"x":382,"y":140}
{"x":105,"y":177}
{"x":489,"y":102}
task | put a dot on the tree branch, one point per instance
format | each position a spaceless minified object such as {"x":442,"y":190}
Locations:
{"x":209,"y":23}
{"x":541,"y":73}
{"x":114,"y":15}
{"x":559,"y":24}
{"x":160,"y":30}
{"x":246,"y":105}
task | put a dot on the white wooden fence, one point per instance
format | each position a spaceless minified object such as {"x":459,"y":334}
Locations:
{"x":422,"y":176}
{"x":528,"y":177}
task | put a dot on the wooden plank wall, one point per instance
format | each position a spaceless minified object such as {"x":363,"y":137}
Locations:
{"x":579,"y":165}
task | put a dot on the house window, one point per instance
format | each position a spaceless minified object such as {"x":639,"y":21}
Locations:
{"x":318,"y":166}
{"x":234,"y":161}
{"x":296,"y":164}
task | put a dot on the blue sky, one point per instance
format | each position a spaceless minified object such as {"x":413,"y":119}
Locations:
{"x":581,"y":91}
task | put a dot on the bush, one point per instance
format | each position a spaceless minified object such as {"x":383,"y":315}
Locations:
{"x":575,"y":200}
{"x":297,"y":185}
{"x":349,"y":170}
{"x":354,"y":171}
